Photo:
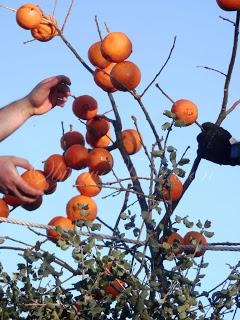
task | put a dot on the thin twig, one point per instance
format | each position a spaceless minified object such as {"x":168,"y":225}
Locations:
{"x":164,"y":93}
{"x":98,"y":28}
{"x":67,"y":15}
{"x":212,"y":69}
{"x":164,"y":65}
{"x":54,"y":7}
{"x":5,"y":7}
{"x":222,"y":113}
{"x":233,"y":107}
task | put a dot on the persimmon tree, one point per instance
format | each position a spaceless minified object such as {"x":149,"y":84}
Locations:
{"x":141,"y":266}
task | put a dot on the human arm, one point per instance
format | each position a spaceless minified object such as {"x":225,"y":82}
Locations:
{"x":44,"y":96}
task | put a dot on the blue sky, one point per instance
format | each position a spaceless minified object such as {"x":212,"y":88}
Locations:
{"x":203,"y":39}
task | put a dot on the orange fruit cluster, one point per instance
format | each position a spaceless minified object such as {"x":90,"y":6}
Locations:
{"x":194,"y":238}
{"x":113,"y":72}
{"x":43,"y":27}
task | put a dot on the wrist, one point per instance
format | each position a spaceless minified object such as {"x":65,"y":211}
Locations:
{"x":26,"y":107}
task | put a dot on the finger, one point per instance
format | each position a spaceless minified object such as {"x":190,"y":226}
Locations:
{"x":25,"y":188}
{"x":55,"y":80}
{"x":21,"y":162}
{"x":23,"y":197}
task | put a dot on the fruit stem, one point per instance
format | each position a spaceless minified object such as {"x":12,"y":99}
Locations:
{"x":5,"y":7}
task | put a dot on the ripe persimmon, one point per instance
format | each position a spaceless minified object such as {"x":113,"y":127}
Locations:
{"x":12,"y":200}
{"x":85,"y":107}
{"x":196,"y":239}
{"x":229,"y":5}
{"x":28,"y":16}
{"x":98,"y":126}
{"x":95,"y":56}
{"x":4,"y":209}
{"x":88,"y":184}
{"x":33,"y":205}
{"x":46,"y":30}
{"x":55,"y":167}
{"x":103,"y":80}
{"x":81,"y":208}
{"x":35,"y":178}
{"x":173,"y":238}
{"x":58,"y":221}
{"x":51,"y":186}
{"x":175,"y":190}
{"x":98,"y":142}
{"x":116,"y":47}
{"x":115,"y":288}
{"x":131,"y":141}
{"x":125,"y":76}
{"x":76,"y":157}
{"x":100,"y":161}
{"x":185,"y":110}
{"x":71,"y":137}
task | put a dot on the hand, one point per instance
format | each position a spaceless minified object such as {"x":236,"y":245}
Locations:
{"x":47,"y":94}
{"x":11,"y":182}
{"x":214,"y":144}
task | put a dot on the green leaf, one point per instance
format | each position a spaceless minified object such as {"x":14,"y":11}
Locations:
{"x":158,"y":153}
{"x":169,"y":114}
{"x":207,"y":224}
{"x":178,"y":219}
{"x":208,"y":234}
{"x":199,"y":224}
{"x":179,"y":123}
{"x":170,"y":149}
{"x":166,"y":126}
{"x":183,"y":161}
{"x":188,"y":223}
{"x":124,"y":215}
{"x":95,"y":226}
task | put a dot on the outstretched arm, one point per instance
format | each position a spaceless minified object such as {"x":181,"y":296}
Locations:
{"x":47,"y":94}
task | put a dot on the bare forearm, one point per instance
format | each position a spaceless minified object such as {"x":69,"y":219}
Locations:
{"x":13,"y":116}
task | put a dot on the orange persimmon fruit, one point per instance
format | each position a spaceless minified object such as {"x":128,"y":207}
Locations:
{"x":81,"y":207}
{"x":28,"y":16}
{"x":35,"y":178}
{"x":71,"y":137}
{"x":229,"y":5}
{"x":55,"y":168}
{"x":173,"y":238}
{"x":125,"y":76}
{"x":131,"y":141}
{"x":116,"y":47}
{"x":58,"y":221}
{"x":46,"y":30}
{"x":85,"y":107}
{"x":196,"y":239}
{"x":95,"y":56}
{"x":33,"y":205}
{"x":4,"y":209}
{"x":88,"y":184}
{"x":98,"y":126}
{"x":98,"y":142}
{"x":100,"y":161}
{"x":76,"y":157}
{"x":102,"y":78}
{"x":185,"y":110}
{"x":175,"y":190}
